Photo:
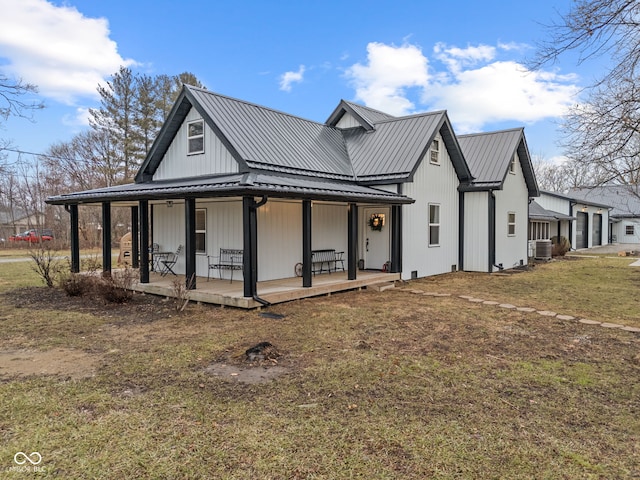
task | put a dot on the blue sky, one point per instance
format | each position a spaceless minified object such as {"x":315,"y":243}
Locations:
{"x":299,"y":56}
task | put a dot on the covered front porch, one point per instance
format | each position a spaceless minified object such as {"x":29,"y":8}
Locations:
{"x":226,"y":293}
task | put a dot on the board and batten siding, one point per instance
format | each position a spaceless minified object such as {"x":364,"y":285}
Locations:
{"x":432,"y":184}
{"x":476,"y":232}
{"x":347,"y":121}
{"x":216,"y":159}
{"x":512,"y":250}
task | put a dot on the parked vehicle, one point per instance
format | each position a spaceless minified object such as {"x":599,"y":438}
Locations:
{"x":33,"y":236}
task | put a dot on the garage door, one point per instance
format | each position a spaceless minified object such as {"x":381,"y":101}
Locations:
{"x":582,"y":230}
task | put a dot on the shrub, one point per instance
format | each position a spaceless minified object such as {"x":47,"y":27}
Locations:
{"x":77,"y":285}
{"x":560,"y":246}
{"x":47,"y":264}
{"x":116,"y":288}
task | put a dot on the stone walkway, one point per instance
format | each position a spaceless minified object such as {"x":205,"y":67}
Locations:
{"x":544,"y":313}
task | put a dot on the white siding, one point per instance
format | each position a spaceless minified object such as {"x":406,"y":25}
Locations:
{"x":279,"y":239}
{"x":511,"y":251}
{"x":476,"y":232}
{"x":176,"y":163}
{"x":619,"y":230}
{"x":347,"y":121}
{"x":329,"y":227}
{"x":431,"y":184}
{"x":555,"y":204}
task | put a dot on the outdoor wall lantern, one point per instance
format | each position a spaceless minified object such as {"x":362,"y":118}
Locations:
{"x":169,"y":203}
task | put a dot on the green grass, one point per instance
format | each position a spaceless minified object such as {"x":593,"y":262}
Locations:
{"x":380,"y":386}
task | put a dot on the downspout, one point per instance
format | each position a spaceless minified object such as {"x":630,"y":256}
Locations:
{"x":492,"y":233}
{"x":460,"y":230}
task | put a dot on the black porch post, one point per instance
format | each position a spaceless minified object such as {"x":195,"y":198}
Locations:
{"x":306,"y":243}
{"x":75,"y":238}
{"x":106,"y":238}
{"x":248,"y":242}
{"x":143,"y":208}
{"x":352,"y":241}
{"x":396,"y":239}
{"x":190,"y":242}
{"x":135,"y":240}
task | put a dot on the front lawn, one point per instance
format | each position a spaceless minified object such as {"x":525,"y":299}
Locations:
{"x":371,"y":385}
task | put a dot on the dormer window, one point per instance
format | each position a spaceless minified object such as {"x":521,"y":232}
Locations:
{"x":512,"y":165}
{"x":195,"y":137}
{"x":435,"y":152}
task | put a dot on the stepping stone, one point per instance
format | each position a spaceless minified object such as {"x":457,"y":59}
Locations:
{"x":441,"y":294}
{"x":565,"y":317}
{"x":506,"y":305}
{"x":526,"y":309}
{"x":611,"y":325}
{"x":589,"y":322}
{"x":490,"y":302}
{"x":429,"y":294}
{"x":476,"y":300}
{"x":466,"y":297}
{"x":631,"y":329}
{"x":547,"y":313}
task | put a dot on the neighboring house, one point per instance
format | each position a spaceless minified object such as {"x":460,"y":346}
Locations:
{"x":497,"y":200}
{"x":624,"y":217}
{"x":583,"y":223}
{"x":15,"y":221}
{"x":395,"y":194}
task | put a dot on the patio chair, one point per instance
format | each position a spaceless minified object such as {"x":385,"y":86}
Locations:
{"x":168,"y":262}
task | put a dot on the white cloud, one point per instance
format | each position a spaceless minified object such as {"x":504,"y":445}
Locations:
{"x":287,"y":78}
{"x":383,"y":81}
{"x":474,"y":84}
{"x":80,"y":118}
{"x":57,"y":48}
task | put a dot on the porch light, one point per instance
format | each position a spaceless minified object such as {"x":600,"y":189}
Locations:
{"x":169,"y":203}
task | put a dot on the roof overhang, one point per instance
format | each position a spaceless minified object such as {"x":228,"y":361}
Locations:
{"x":235,"y":185}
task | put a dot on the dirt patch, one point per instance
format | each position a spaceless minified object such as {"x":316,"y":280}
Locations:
{"x":60,"y":361}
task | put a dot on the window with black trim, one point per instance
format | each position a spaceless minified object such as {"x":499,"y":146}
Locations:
{"x":511,"y":224}
{"x":195,"y":137}
{"x":435,"y":152}
{"x":201,"y":230}
{"x":629,"y":230}
{"x":434,"y":225}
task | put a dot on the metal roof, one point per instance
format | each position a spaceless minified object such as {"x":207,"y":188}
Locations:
{"x":489,"y":155}
{"x":537,"y":212}
{"x":396,"y":147}
{"x":366,"y":116}
{"x":624,"y":199}
{"x":239,"y":184}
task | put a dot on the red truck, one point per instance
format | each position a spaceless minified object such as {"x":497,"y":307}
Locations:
{"x":33,"y":236}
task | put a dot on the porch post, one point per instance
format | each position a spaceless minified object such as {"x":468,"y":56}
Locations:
{"x":106,"y":238}
{"x":352,"y":241}
{"x":491,"y":202}
{"x":190,"y":242}
{"x":306,"y":243}
{"x":143,"y":208}
{"x":75,"y":238}
{"x":250,"y":246}
{"x":396,"y":239}
{"x":135,"y":241}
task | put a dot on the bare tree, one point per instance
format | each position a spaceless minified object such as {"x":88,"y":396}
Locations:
{"x":14,"y":99}
{"x":603,"y":133}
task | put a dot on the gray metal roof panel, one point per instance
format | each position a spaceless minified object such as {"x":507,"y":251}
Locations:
{"x":537,"y":212}
{"x":624,"y":199}
{"x":264,"y":137}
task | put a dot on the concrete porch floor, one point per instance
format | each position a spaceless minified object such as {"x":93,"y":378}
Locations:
{"x":224,"y":292}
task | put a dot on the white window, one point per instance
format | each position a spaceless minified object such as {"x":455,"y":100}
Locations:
{"x":511,"y":224}
{"x":512,"y":165}
{"x":629,"y":230}
{"x":434,"y":225}
{"x":435,"y":152}
{"x":195,"y":137}
{"x":201,"y":230}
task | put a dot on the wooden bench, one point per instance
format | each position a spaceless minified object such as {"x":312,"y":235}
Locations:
{"x":229,"y":259}
{"x":328,"y":257}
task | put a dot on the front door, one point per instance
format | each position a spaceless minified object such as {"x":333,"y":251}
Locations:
{"x":377,"y":227}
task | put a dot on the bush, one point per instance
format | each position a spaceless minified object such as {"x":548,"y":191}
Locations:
{"x":560,"y":246}
{"x":77,"y":285}
{"x":47,"y":264}
{"x":116,"y":288}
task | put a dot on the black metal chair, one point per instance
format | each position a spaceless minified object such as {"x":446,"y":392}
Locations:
{"x":170,"y":261}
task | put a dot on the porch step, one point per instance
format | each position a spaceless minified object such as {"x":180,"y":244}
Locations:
{"x":381,"y":287}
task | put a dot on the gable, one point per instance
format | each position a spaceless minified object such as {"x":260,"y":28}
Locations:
{"x":178,"y":163}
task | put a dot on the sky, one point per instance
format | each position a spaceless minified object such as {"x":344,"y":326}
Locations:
{"x":300,"y":57}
